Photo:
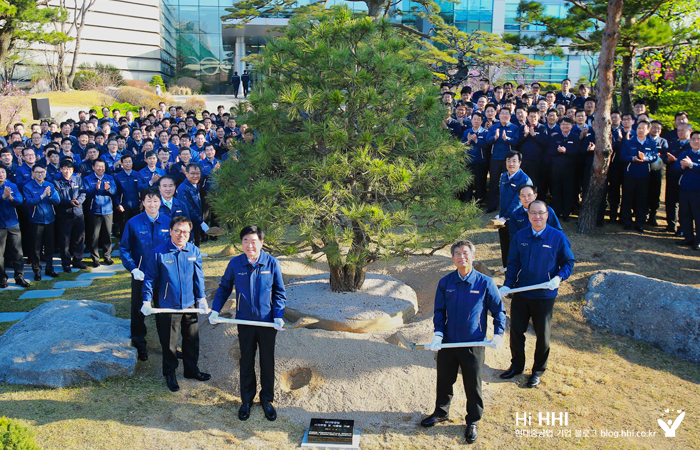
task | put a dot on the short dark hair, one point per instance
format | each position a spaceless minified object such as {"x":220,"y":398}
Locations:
{"x":463,"y":243}
{"x":166,"y":177}
{"x":533,"y":109}
{"x":38,"y":166}
{"x":645,"y":122}
{"x":512,"y":153}
{"x":523,"y":186}
{"x":66,"y":162}
{"x":98,"y":160}
{"x":681,"y":114}
{"x":694,"y":133}
{"x":567,"y":120}
{"x":179,"y":219}
{"x":126,"y":156}
{"x":149,"y":154}
{"x":150,"y":191}
{"x":540,"y":202}
{"x":192,"y":165}
{"x":252,"y":229}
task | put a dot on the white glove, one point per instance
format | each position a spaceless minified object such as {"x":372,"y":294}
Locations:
{"x":504,"y":290}
{"x":497,"y":340}
{"x":202,"y":304}
{"x":502,"y":220}
{"x":147,"y":309}
{"x":279,"y":324}
{"x":555,"y":282}
{"x":205,"y":227}
{"x":213,"y":316}
{"x":436,"y":343}
{"x":138,"y":275}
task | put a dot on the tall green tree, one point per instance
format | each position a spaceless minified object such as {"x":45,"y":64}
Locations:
{"x":641,"y":28}
{"x":351,"y":158}
{"x":26,"y":20}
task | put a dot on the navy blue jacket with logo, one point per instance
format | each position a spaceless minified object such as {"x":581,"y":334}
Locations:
{"x":571,"y":142}
{"x":260,"y":293}
{"x":127,"y":189}
{"x":177,"y":274}
{"x":40,"y":209}
{"x":689,"y":177}
{"x":509,"y":199}
{"x":8,"y":213}
{"x":462,"y":306}
{"x":537,"y":259}
{"x":506,"y":141}
{"x":100,"y":200}
{"x":140,"y":237}
{"x":477,"y":151}
{"x":520,"y":220}
{"x":69,"y":190}
{"x":189,"y":195}
{"x":630,"y":150}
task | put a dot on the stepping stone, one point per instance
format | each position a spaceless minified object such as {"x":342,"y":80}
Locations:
{"x":93,"y":276}
{"x":11,"y":286}
{"x":12,"y":316}
{"x":107,"y":269}
{"x":71,"y":284}
{"x":28,"y":275}
{"x":43,"y":293}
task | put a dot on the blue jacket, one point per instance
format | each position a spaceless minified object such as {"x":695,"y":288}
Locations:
{"x":260,"y":291}
{"x":127,"y":189}
{"x":506,"y":141}
{"x":145,"y":176}
{"x":11,"y":172}
{"x":630,"y":149}
{"x":40,"y":209}
{"x":69,"y":190}
{"x":477,"y":150}
{"x":537,"y":259}
{"x":8,"y":213}
{"x":174,"y":276}
{"x":520,"y":220}
{"x":533,"y":147}
{"x":23,"y":175}
{"x":110,"y":161}
{"x":571,"y":142}
{"x":690,"y":177}
{"x":99,"y":200}
{"x":509,"y":199}
{"x":188,"y":194}
{"x":207,"y":171}
{"x":461,"y":307}
{"x":178,"y":208}
{"x":140,"y":237}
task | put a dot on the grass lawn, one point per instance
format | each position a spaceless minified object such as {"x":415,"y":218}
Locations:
{"x":78,"y":99}
{"x":603,"y":381}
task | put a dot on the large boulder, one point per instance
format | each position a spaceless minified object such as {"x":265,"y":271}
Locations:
{"x":382,"y":303}
{"x":66,"y":342}
{"x":663,"y":314}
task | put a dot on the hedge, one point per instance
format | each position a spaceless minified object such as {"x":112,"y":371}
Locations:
{"x":15,"y":436}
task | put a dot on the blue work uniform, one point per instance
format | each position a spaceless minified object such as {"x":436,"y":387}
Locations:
{"x":509,"y":201}
{"x":10,"y":233}
{"x":689,"y":196}
{"x":189,"y":195}
{"x":41,"y":226}
{"x":635,"y":185}
{"x":173,"y":208}
{"x":145,"y":176}
{"x":127,"y":189}
{"x":99,"y":200}
{"x":564,"y":170}
{"x":520,"y":220}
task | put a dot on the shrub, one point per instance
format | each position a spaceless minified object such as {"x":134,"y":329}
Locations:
{"x":136,"y":96}
{"x":187,"y":82}
{"x":195,"y":104}
{"x":140,"y":84}
{"x":12,"y":102}
{"x":123,"y":107}
{"x":180,"y":90}
{"x":15,"y":436}
{"x":157,"y":80}
{"x":97,"y":77}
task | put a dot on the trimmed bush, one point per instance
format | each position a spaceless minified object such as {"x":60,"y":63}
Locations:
{"x":671,"y":102}
{"x":180,"y":90}
{"x":195,"y":104}
{"x":15,"y":436}
{"x":157,"y":80}
{"x":140,"y":84}
{"x":136,"y":96}
{"x":122,"y":107}
{"x":188,"y":82}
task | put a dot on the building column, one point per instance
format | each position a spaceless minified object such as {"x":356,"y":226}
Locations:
{"x":239,"y":52}
{"x":498,"y":23}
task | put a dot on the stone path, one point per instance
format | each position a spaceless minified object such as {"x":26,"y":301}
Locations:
{"x":85,"y":279}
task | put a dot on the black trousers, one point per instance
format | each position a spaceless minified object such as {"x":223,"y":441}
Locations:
{"x":235,"y":88}
{"x":672,"y":197}
{"x":11,"y":241}
{"x":245,"y":90}
{"x":496,"y":168}
{"x":100,"y":236}
{"x":615,"y":177}
{"x":634,"y":196}
{"x":138,"y":323}
{"x":689,"y":214}
{"x":504,"y":240}
{"x":654,"y":193}
{"x":545,"y":185}
{"x":449,"y":361}
{"x":71,"y":238}
{"x":533,"y":169}
{"x":121,"y":218}
{"x":169,"y":327}
{"x":250,"y":339}
{"x":24,"y":224}
{"x":563,"y":189}
{"x":41,"y":236}
{"x":477,"y":188}
{"x":521,"y":311}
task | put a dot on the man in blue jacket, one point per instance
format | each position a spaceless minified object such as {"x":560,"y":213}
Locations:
{"x":511,"y":180}
{"x":260,"y":296}
{"x":127,"y":198}
{"x":563,"y":149}
{"x":175,"y":268}
{"x":537,"y":255}
{"x":40,"y":197}
{"x":10,"y":233}
{"x":688,"y":164}
{"x":188,"y":193}
{"x":69,"y":216}
{"x":637,"y":154}
{"x":532,"y":145}
{"x":169,"y":205}
{"x":142,"y":234}
{"x":100,"y":189}
{"x":475,"y":136}
{"x":503,"y":135}
{"x":462,"y":302}
{"x":519,"y":219}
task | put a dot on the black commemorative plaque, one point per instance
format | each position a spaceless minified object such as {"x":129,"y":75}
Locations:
{"x":328,"y":431}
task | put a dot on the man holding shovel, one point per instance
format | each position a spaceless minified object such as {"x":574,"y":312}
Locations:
{"x":462,"y":301}
{"x":260,"y":296}
{"x":538,"y":255}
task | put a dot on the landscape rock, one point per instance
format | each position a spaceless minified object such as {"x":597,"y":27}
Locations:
{"x":665,"y":315}
{"x":66,"y":342}
{"x":382,"y":303}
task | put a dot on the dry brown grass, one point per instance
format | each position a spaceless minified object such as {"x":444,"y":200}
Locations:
{"x":602,"y":380}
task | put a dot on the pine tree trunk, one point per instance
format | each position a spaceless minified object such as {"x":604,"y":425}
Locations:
{"x":627,"y":81}
{"x":594,"y":199}
{"x":347,"y":278}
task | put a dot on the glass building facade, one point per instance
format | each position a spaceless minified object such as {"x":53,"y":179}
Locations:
{"x":197,"y":45}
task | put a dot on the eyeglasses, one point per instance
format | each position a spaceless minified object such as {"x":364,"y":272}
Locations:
{"x":538,"y":213}
{"x":179,"y":232}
